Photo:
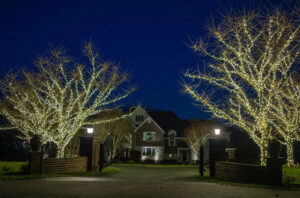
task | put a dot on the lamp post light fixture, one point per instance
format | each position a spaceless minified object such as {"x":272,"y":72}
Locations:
{"x":201,"y":151}
{"x":90,"y":130}
{"x":217,"y":131}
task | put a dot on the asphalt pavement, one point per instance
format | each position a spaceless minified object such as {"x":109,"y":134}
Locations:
{"x":136,"y":182}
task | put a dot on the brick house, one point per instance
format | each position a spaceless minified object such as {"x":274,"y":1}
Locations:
{"x":159,"y":135}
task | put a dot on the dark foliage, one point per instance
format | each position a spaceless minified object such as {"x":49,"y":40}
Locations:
{"x":247,"y":151}
{"x":135,"y":156}
{"x":12,"y":148}
{"x":148,"y":161}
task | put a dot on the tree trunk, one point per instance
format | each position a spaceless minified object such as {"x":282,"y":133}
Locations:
{"x":60,"y":151}
{"x":290,"y":153}
{"x":263,"y":155}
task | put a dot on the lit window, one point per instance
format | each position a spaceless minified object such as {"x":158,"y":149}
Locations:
{"x":170,"y":155}
{"x":172,"y":140}
{"x":149,"y":136}
{"x":149,"y":151}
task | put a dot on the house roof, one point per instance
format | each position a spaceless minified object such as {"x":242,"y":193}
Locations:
{"x":168,"y":120}
{"x":151,"y":119}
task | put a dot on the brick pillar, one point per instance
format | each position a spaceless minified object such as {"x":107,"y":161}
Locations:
{"x":96,"y":153}
{"x":216,"y":153}
{"x":34,"y":162}
{"x":89,"y":146}
{"x":274,"y":166}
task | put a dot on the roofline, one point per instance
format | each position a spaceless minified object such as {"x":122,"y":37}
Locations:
{"x":131,"y":122}
{"x":145,"y":122}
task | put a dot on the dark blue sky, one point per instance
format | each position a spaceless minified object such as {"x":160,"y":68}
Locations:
{"x":146,"y":37}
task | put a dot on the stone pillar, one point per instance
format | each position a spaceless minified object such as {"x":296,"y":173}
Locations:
{"x":34,"y":162}
{"x":274,"y":166}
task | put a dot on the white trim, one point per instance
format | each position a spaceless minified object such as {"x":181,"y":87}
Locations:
{"x":172,"y":131}
{"x":150,"y":119}
{"x":152,"y":150}
{"x":134,"y":113}
{"x":132,"y":123}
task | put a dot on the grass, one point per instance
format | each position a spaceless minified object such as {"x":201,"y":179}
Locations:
{"x":158,"y":165}
{"x":291,"y":175}
{"x":12,"y":167}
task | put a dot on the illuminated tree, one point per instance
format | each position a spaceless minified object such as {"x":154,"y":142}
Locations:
{"x":57,"y":100}
{"x":286,"y":117}
{"x":120,"y":129}
{"x":250,"y":57}
{"x":196,"y":135}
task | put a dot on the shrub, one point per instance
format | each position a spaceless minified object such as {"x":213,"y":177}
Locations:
{"x":6,"y":169}
{"x":131,"y":162}
{"x":288,"y":179}
{"x":148,"y":161}
{"x":135,"y":155}
{"x":169,"y":162}
{"x":24,"y":169}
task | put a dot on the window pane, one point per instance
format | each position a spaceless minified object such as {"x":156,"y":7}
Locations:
{"x":149,"y":136}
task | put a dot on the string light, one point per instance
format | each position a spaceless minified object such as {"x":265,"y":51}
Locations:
{"x":251,"y":61}
{"x":62,"y":97}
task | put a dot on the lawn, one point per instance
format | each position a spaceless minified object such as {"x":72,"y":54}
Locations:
{"x":9,"y":167}
{"x":291,"y":175}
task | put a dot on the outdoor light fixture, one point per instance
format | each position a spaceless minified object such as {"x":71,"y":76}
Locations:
{"x":90,"y":130}
{"x":217,"y":131}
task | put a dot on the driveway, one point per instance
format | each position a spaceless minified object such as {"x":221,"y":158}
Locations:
{"x":135,"y":182}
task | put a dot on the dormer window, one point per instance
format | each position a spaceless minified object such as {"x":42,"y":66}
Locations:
{"x":172,"y":135}
{"x":139,"y":118}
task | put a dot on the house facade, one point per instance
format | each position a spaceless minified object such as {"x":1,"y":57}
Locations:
{"x":159,"y":135}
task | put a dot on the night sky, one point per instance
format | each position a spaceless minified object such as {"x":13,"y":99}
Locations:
{"x":146,"y":37}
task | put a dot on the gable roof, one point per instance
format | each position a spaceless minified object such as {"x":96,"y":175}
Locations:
{"x":146,"y":120}
{"x":168,"y":120}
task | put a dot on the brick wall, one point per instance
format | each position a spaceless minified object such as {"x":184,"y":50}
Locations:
{"x":53,"y":165}
{"x":242,"y":172}
{"x":149,"y":126}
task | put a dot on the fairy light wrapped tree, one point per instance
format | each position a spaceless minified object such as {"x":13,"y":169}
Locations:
{"x":286,"y":117}
{"x":250,"y":57}
{"x":58,"y":99}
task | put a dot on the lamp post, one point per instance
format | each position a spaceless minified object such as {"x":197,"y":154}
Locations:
{"x":201,"y":151}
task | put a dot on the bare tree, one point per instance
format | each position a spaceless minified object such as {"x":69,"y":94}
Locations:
{"x":250,"y":57}
{"x":196,"y":135}
{"x":57,"y":100}
{"x":120,"y":129}
{"x":73,"y":148}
